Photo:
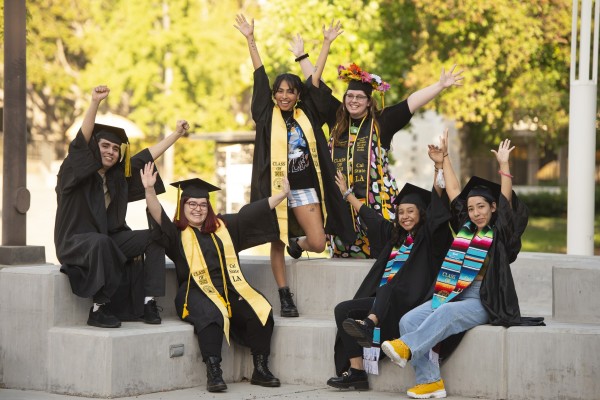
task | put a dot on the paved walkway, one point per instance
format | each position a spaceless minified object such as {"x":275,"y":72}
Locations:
{"x":236,"y":391}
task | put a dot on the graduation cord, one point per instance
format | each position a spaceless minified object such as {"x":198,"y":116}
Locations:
{"x":227,"y":304}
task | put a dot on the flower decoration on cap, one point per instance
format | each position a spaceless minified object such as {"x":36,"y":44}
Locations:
{"x":354,"y":73}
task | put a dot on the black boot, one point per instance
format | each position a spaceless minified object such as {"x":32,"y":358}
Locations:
{"x":288,"y":308}
{"x":151,"y":313}
{"x":360,"y":330}
{"x":355,"y":378}
{"x":103,"y":318}
{"x":294,"y":249}
{"x":261,"y":375}
{"x":214,"y":375}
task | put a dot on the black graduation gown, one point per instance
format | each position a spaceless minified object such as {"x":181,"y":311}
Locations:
{"x":410,"y":287}
{"x":83,"y":224}
{"x":245,"y":232}
{"x":337,"y":222}
{"x":498,"y":293}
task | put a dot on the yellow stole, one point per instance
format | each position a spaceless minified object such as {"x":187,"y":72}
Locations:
{"x":199,"y":271}
{"x":279,"y":154}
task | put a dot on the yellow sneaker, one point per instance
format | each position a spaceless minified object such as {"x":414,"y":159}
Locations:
{"x":433,"y":390}
{"x":397,"y":351}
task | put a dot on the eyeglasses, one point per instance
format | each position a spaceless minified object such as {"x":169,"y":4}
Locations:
{"x":193,"y":205}
{"x":358,"y":97}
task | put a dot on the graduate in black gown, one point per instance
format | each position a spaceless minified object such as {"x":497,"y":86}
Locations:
{"x":410,"y":251}
{"x":93,"y":242}
{"x":213,"y":294}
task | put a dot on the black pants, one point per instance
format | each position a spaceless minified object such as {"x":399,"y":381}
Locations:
{"x":146,"y":277}
{"x":244,"y":326}
{"x":355,"y":309}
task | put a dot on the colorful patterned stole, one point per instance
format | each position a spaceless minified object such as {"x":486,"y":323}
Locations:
{"x":462,"y":263}
{"x":396,"y":261}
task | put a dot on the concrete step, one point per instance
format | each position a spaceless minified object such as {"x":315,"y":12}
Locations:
{"x":45,"y":344}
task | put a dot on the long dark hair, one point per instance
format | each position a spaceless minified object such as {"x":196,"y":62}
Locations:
{"x":399,"y":234}
{"x":342,"y":118}
{"x":210,"y":225}
{"x":292,"y":80}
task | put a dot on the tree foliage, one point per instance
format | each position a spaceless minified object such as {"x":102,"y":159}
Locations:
{"x":171,"y":59}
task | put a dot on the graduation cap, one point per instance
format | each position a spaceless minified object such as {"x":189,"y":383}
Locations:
{"x":115,"y":135}
{"x":195,"y":187}
{"x":481,"y":187}
{"x":411,"y":194}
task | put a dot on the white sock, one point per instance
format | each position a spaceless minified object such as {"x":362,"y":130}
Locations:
{"x":147,"y":299}
{"x":97,"y":306}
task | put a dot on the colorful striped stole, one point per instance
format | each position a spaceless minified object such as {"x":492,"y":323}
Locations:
{"x":462,"y":263}
{"x":396,"y":260}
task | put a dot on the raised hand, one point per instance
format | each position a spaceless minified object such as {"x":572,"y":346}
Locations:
{"x":99,"y":93}
{"x":243,"y":26}
{"x":332,"y":32}
{"x":451,"y":78}
{"x":297,"y":45}
{"x":148,"y":175}
{"x":435,"y":153}
{"x":503,"y":152}
{"x":182,"y":126}
{"x":340,"y":181}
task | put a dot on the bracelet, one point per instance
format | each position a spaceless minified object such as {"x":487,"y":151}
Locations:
{"x":505,"y":174}
{"x":446,"y":155}
{"x":302,"y":57}
{"x":346,"y":194}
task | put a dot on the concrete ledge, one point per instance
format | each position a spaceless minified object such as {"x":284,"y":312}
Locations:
{"x":22,"y":255}
{"x":559,"y":361}
{"x":575,"y":292}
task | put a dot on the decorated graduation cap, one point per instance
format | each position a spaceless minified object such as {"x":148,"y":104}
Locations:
{"x":118,"y":136}
{"x":411,"y":194}
{"x":359,"y":79}
{"x":195,"y":188}
{"x":481,"y":187}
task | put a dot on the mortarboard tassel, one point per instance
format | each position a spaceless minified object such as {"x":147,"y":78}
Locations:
{"x":178,"y":202}
{"x":127,"y":161}
{"x":185,"y":312}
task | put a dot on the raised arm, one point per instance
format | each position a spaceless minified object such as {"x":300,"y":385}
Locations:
{"x":279,"y":197}
{"x":148,"y":180}
{"x":99,"y":93}
{"x":452,"y":185}
{"x":297,"y":49}
{"x":159,"y":148}
{"x":329,"y":35}
{"x":421,"y":97}
{"x":247,"y":30}
{"x":436,"y":154}
{"x":340,"y":181}
{"x":503,"y":155}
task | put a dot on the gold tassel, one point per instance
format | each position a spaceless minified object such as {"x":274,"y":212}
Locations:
{"x":382,"y":100}
{"x":185,"y":312}
{"x":178,"y":202}
{"x":127,"y":161}
{"x":229,"y":309}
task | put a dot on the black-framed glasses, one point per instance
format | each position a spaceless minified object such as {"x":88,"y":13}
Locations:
{"x":193,"y":205}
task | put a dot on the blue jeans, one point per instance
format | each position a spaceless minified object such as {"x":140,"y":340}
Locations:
{"x":422,"y":328}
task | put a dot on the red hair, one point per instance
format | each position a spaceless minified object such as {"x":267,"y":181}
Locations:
{"x":210,"y":225}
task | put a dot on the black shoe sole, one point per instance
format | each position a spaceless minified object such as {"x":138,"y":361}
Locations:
{"x":151,"y":321}
{"x":353,"y":385}
{"x":217,"y":388}
{"x":266,"y":383}
{"x":99,"y":325}
{"x":358,"y":334}
{"x":290,"y":314}
{"x":295,"y":254}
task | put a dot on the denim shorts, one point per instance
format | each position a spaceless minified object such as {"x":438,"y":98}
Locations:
{"x":302,"y":197}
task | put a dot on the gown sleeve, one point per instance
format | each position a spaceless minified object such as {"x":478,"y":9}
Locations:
{"x":252,"y":225}
{"x":79,"y":164}
{"x":378,"y":229}
{"x":261,"y":95}
{"x":391,"y":120}
{"x":136,"y":189}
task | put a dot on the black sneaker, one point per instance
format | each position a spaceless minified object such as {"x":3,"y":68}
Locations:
{"x":294,"y":249}
{"x":353,"y":378}
{"x":151,"y":315}
{"x":103,"y":318}
{"x":360,"y":330}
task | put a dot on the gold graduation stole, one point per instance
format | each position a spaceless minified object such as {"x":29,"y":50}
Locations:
{"x":199,"y":271}
{"x":279,"y":150}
